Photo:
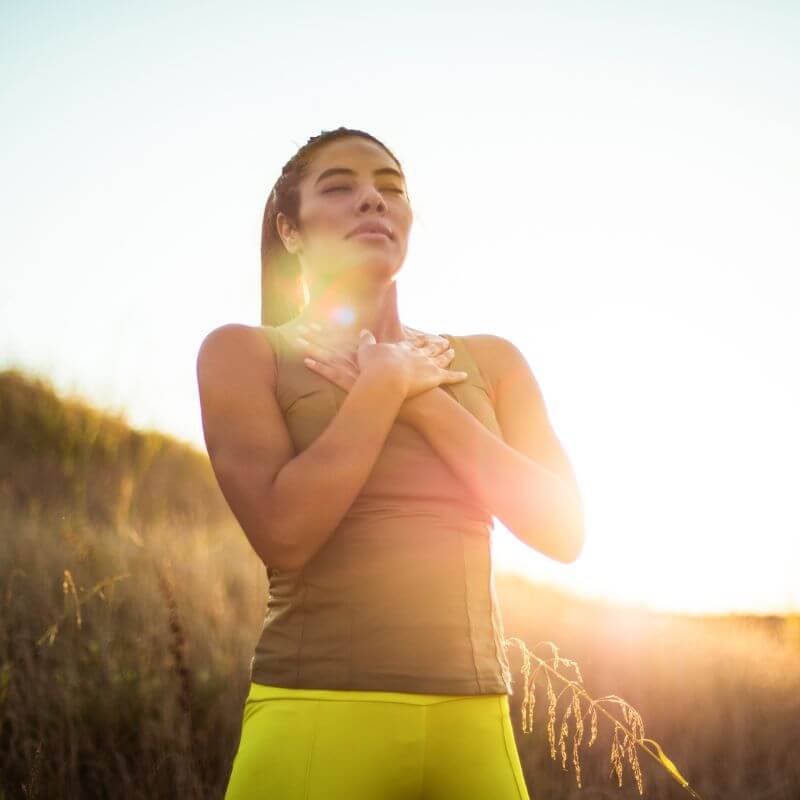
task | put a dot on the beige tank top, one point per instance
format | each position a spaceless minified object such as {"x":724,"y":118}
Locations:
{"x":401,"y":597}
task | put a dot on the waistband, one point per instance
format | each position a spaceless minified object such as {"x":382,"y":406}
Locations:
{"x":261,"y":691}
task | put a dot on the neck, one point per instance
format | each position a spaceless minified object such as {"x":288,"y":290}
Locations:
{"x":347,"y":308}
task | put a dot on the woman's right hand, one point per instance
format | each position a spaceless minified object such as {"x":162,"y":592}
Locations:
{"x":413,"y":368}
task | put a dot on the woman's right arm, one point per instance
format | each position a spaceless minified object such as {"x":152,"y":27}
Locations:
{"x":288,"y":505}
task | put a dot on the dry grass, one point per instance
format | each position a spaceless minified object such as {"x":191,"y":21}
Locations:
{"x":128,"y":622}
{"x":719,"y":696}
{"x":631,"y":727}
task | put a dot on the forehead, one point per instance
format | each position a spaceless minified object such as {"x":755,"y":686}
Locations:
{"x":353,"y":152}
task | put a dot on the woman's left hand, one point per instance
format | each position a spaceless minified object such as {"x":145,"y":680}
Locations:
{"x":337,"y":362}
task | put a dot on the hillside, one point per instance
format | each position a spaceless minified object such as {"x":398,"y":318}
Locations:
{"x":62,"y":455}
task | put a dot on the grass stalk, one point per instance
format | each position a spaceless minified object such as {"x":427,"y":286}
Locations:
{"x":631,"y":726}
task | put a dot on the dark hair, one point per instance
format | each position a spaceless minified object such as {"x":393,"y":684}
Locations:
{"x":282,"y":285}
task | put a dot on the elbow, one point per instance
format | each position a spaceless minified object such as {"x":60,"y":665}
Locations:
{"x":569,"y":530}
{"x":290,"y":562}
{"x":280,"y":555}
{"x":278,"y":540}
{"x":283,"y":562}
{"x":574,"y":536}
{"x":573,"y":539}
{"x":284,"y":548}
{"x":556,"y":530}
{"x":277,"y":548}
{"x":562,"y":540}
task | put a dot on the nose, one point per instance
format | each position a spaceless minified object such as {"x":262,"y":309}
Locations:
{"x":372,"y":197}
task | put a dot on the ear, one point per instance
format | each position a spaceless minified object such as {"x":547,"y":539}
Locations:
{"x":289,"y":235}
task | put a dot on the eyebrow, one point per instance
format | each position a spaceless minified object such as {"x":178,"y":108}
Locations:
{"x":345,"y":171}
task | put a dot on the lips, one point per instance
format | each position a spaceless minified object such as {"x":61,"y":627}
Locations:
{"x":371,"y":227}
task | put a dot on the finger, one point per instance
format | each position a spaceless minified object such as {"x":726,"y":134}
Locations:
{"x":421,"y":338}
{"x":366,"y":335}
{"x":452,"y":376}
{"x":316,"y":347}
{"x":434,"y":345}
{"x":445,"y":358}
{"x":322,"y":367}
{"x":435,"y":350}
{"x":442,"y":343}
{"x":311,"y":330}
{"x":317,"y":351}
{"x":303,"y":330}
{"x":344,"y":379}
{"x":313,"y":333}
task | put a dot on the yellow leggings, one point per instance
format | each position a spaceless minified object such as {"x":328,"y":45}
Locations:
{"x":310,"y":744}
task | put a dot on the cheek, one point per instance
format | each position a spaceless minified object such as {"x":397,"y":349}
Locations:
{"x":331,"y":220}
{"x":404,"y":224}
{"x":322,"y":227}
{"x":319,"y":215}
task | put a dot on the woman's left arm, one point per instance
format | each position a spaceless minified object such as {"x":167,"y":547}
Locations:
{"x":524,"y":479}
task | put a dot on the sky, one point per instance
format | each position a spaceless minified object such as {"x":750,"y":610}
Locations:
{"x":614,"y":187}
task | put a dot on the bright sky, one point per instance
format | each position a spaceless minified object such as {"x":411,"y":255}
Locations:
{"x":613,"y":186}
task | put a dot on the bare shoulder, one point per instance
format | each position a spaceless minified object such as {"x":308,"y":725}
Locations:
{"x":236,"y":335}
{"x":234,"y":345}
{"x":496,"y":356}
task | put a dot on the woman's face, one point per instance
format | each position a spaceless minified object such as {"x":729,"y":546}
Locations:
{"x":350,"y":181}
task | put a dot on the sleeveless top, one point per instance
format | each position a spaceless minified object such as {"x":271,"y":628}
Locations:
{"x":401,"y":596}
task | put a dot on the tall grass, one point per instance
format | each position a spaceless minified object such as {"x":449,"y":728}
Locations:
{"x":131,"y":603}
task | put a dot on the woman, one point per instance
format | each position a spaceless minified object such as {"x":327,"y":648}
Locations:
{"x":364,"y":461}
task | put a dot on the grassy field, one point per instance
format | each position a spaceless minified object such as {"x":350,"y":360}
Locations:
{"x":131,"y":602}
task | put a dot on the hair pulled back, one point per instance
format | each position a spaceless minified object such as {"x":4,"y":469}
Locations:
{"x":283,"y":294}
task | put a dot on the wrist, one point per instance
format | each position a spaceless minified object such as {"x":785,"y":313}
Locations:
{"x":415,"y":410}
{"x":388,"y":380}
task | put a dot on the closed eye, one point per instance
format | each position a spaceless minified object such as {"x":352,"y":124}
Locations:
{"x":345,"y":188}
